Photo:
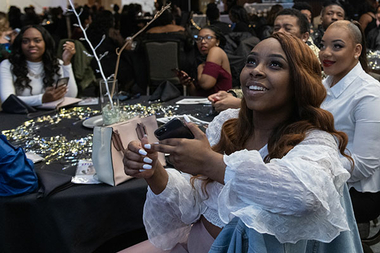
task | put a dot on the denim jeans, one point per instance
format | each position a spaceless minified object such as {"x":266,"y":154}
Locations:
{"x":236,"y":237}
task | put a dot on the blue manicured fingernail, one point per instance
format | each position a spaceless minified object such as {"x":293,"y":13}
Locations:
{"x":142,"y":152}
{"x":147,"y":160}
{"x":147,"y":146}
{"x":147,"y":166}
{"x":141,"y":170}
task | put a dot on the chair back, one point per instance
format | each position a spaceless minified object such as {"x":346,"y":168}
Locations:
{"x":162,"y":57}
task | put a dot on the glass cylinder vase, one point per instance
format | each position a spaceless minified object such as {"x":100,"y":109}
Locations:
{"x":109,"y":101}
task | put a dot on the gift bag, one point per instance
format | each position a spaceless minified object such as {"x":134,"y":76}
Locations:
{"x":110,"y":141}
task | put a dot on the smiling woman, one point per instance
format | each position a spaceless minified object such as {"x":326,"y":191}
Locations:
{"x":274,"y":165}
{"x":33,"y":45}
{"x":353,"y":97}
{"x":265,"y":80}
{"x":33,"y":69}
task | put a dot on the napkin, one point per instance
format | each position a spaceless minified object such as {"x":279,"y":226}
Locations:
{"x":193,"y":101}
{"x":165,"y":91}
{"x":51,"y":182}
{"x":59,"y":103}
{"x":15,"y":105}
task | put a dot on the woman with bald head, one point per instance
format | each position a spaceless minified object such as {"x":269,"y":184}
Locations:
{"x":353,"y":97}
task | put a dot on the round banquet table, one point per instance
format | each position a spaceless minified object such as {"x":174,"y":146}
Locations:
{"x":80,"y":218}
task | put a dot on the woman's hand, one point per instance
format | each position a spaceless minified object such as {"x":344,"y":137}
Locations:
{"x":185,"y":79}
{"x":53,"y":94}
{"x":137,"y":162}
{"x":141,"y":161}
{"x":193,"y":156}
{"x":223,"y":100}
{"x":10,"y":36}
{"x":68,"y":52}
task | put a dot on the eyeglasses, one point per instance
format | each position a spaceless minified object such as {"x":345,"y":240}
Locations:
{"x":199,"y":39}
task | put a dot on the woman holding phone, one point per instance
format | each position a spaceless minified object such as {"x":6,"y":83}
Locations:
{"x":214,"y":74}
{"x":274,"y":164}
{"x":32,"y":70}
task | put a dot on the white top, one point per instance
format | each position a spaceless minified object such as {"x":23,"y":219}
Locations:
{"x":36,"y":68}
{"x":293,"y":198}
{"x":355,"y":103}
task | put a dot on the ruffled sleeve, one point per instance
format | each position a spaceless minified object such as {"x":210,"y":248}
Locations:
{"x":293,"y":198}
{"x":214,"y":129}
{"x":168,"y":216}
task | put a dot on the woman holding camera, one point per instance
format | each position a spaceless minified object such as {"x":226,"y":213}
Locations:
{"x":274,"y":164}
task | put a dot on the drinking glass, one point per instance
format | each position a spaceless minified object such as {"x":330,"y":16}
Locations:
{"x":109,"y":101}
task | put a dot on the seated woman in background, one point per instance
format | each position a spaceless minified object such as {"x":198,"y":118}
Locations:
{"x":33,"y":69}
{"x":164,"y":29}
{"x":240,"y":20}
{"x":103,"y":25}
{"x":161,"y":30}
{"x":367,"y":19}
{"x":214,"y":74}
{"x":274,"y":163}
{"x":353,"y":97}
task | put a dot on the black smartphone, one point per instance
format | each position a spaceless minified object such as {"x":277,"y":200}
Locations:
{"x":178,"y":72}
{"x":175,"y":128}
{"x":62,"y":81}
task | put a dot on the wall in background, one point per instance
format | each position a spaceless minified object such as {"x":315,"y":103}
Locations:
{"x":38,"y":4}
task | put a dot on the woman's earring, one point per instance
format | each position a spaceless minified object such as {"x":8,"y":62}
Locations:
{"x":356,"y":57}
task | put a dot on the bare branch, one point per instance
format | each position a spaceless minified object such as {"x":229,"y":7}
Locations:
{"x":102,"y":55}
{"x":88,"y":54}
{"x":92,"y":49}
{"x":118,"y":52}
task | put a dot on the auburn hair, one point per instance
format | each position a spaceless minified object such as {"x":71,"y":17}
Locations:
{"x":309,"y":93}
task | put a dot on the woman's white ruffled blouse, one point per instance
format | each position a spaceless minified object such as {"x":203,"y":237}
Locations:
{"x":293,"y":198}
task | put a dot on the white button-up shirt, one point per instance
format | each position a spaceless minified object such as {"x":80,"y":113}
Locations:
{"x":355,"y":103}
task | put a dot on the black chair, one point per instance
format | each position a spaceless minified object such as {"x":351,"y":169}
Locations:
{"x":162,"y":58}
{"x":367,"y":242}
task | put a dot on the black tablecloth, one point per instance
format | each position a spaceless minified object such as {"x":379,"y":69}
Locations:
{"x":80,"y":218}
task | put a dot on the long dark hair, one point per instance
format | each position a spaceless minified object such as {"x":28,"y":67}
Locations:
{"x":309,"y":93}
{"x":18,"y":60}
